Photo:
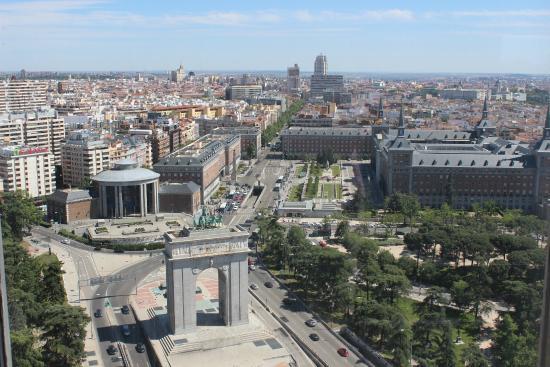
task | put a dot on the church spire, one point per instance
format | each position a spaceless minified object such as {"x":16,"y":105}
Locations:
{"x":546,"y":134}
{"x":485,"y":113}
{"x":401,"y":126}
{"x":380,"y":109}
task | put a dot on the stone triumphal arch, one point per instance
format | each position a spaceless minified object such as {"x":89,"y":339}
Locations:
{"x":187,"y":254}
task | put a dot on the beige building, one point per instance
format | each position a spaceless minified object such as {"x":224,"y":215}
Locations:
{"x":135,"y":148}
{"x":38,"y":128}
{"x":29,"y":169}
{"x":85,"y":154}
{"x":22,"y":95}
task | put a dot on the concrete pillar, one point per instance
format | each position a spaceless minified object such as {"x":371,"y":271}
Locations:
{"x":156,"y":197}
{"x":141,"y":203}
{"x":115,"y":189}
{"x":120,"y":203}
{"x":181,"y":296}
{"x":145,"y":199}
{"x":103,"y":206}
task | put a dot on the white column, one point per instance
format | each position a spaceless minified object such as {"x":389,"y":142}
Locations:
{"x":141,"y":206}
{"x":155,"y":197}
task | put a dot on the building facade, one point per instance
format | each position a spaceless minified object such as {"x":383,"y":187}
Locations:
{"x":293,"y":79}
{"x":320,"y":67}
{"x":463,"y":168}
{"x":178,"y":75}
{"x":22,"y":95}
{"x":251,"y":139}
{"x":30,"y":169}
{"x":242,"y":91}
{"x":308,"y":143}
{"x":68,"y":206}
{"x":38,"y":128}
{"x":180,"y":198}
{"x":84,"y":155}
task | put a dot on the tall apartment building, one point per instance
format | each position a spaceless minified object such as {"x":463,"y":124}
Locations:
{"x":38,"y":128}
{"x":320,"y":67}
{"x":22,"y":95}
{"x":84,"y":155}
{"x":293,"y":79}
{"x":135,"y":148}
{"x":178,"y":75}
{"x":30,"y":169}
{"x":160,"y":144}
{"x":242,"y":91}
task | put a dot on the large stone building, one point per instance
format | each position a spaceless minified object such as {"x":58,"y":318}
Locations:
{"x":206,"y":125}
{"x":84,"y":155}
{"x":309,"y":142}
{"x":37,"y":128}
{"x":242,"y":91}
{"x":68,"y":206}
{"x":204,"y":162}
{"x":251,"y":139}
{"x":180,"y":198}
{"x":463,"y":168}
{"x":30,"y":169}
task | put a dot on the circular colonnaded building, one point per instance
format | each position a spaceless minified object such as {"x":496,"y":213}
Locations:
{"x":127,"y":190}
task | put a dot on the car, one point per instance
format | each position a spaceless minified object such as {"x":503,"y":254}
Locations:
{"x":140,"y":348}
{"x":111,"y":350}
{"x":289,"y":301}
{"x":125,"y":309}
{"x":252,"y":267}
{"x":311,"y":322}
{"x":343,"y":352}
{"x":314,"y":337}
{"x":98,"y":313}
{"x":125,"y":330}
{"x":253,"y":286}
{"x":268,"y":284}
{"x":65,"y":241}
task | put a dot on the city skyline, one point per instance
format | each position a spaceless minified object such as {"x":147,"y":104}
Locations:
{"x":399,"y":37}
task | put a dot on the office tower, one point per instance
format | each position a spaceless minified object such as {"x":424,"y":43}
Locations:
{"x":320,"y":67}
{"x":30,"y":169}
{"x":326,"y":83}
{"x":23,"y":74}
{"x":38,"y":128}
{"x":22,"y":95}
{"x":84,"y":155}
{"x":242,"y":91}
{"x":5,"y":341}
{"x":293,"y":79}
{"x":178,"y":75}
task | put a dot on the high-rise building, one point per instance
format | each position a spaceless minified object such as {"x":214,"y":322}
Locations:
{"x":84,"y":155}
{"x":242,"y":91}
{"x":29,"y":169}
{"x":293,"y":79}
{"x":178,"y":75}
{"x":38,"y":128}
{"x":5,"y":340}
{"x":23,"y":74}
{"x":22,"y":95}
{"x":320,"y":67}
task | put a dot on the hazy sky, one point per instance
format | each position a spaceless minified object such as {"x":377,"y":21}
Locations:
{"x":361,"y":36}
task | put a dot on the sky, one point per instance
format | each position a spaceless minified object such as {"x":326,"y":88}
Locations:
{"x":489,"y":36}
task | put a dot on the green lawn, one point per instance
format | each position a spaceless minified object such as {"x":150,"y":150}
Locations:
{"x":315,"y":170}
{"x":46,"y":259}
{"x":335,"y":170}
{"x":295,"y":193}
{"x":330,"y":191}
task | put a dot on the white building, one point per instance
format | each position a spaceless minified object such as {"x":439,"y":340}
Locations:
{"x":178,"y":75}
{"x":30,"y":169}
{"x":22,"y":95}
{"x":84,"y":155}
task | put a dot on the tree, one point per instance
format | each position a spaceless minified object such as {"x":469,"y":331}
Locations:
{"x":64,"y":330}
{"x":251,"y":151}
{"x":25,"y":350}
{"x":410,"y":206}
{"x":473,"y":357}
{"x":342,"y":229}
{"x":415,"y":243}
{"x":19,"y":213}
{"x":506,"y":342}
{"x":461,"y":294}
{"x":51,"y":289}
{"x":445,"y":352}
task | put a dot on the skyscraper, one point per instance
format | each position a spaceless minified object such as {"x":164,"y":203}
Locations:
{"x":178,"y":75}
{"x":293,"y":79}
{"x":320,"y":67}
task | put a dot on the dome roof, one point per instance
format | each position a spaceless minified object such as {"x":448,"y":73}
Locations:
{"x":126,"y":171}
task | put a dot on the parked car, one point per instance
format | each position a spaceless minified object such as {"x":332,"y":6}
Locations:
{"x":125,"y":330}
{"x":314,"y":337}
{"x":111,"y":350}
{"x":140,"y":348}
{"x":311,"y":322}
{"x":343,"y":352}
{"x":125,"y":309}
{"x":252,"y":267}
{"x":65,"y":241}
{"x":289,"y":301}
{"x":268,"y":284}
{"x":253,"y":286}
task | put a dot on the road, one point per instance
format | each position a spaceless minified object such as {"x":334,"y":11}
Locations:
{"x":109,"y":298}
{"x":326,"y":348}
